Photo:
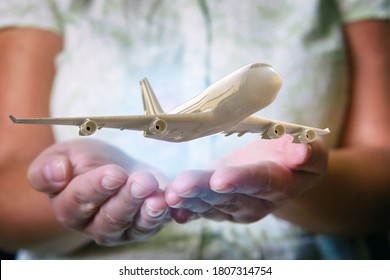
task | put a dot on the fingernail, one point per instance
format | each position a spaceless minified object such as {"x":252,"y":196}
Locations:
{"x":111,"y":183}
{"x":137,"y":191}
{"x":193,"y":192}
{"x":54,"y":170}
{"x":228,"y":188}
{"x":154,"y":213}
{"x":178,"y":205}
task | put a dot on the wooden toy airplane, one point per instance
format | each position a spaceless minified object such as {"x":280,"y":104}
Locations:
{"x":226,"y":106}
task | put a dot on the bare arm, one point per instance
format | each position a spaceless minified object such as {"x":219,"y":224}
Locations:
{"x":26,"y":74}
{"x":354,"y":196}
{"x":344,"y":191}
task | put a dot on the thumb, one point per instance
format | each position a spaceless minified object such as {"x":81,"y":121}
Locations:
{"x":50,"y":173}
{"x":311,"y":158}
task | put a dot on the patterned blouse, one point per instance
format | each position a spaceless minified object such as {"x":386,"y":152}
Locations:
{"x":182,"y":47}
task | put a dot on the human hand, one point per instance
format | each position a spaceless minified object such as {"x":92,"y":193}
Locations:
{"x":98,"y":190}
{"x":248,"y":184}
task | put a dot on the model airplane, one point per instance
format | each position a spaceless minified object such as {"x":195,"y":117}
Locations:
{"x":226,"y":106}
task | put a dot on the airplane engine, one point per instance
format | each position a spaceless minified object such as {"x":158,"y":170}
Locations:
{"x":305,"y":136}
{"x":158,"y":126}
{"x":88,"y":127}
{"x":275,"y":131}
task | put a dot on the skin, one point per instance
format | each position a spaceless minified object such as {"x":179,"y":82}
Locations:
{"x":28,"y":56}
{"x":297,"y":182}
{"x":349,"y":185}
{"x":248,"y":184}
{"x":106,"y":195}
{"x":358,"y":171}
{"x":45,"y":217}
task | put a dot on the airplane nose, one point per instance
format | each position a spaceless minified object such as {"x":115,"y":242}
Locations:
{"x":263,"y":83}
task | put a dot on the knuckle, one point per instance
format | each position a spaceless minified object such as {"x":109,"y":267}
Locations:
{"x":231,"y":206}
{"x":216,"y":215}
{"x":138,"y":233}
{"x":109,"y":239}
{"x":104,"y":241}
{"x":69,"y":219}
{"x":71,"y":222}
{"x":114,"y":223}
{"x":86,"y":207}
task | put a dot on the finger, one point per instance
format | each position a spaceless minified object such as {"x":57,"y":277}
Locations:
{"x":191,"y":208}
{"x":50,"y":174}
{"x":210,"y":205}
{"x":83,"y":196}
{"x":216,"y":215}
{"x":153,"y":214}
{"x":118,"y":213}
{"x":189,"y":184}
{"x":310,"y":158}
{"x":313,"y":164}
{"x":190,"y":196}
{"x":245,"y":209}
{"x":195,"y":205}
{"x":182,"y":216}
{"x":187,"y":189}
{"x":265,"y":180}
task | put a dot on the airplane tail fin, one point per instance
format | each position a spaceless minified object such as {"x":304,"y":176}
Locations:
{"x":151,"y":104}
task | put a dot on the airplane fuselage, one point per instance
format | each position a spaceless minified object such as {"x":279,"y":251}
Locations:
{"x":223,"y":104}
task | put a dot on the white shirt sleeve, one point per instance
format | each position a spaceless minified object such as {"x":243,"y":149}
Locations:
{"x":42,"y":14}
{"x":355,"y":10}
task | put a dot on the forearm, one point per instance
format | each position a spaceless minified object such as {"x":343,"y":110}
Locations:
{"x":352,"y":198}
{"x":27,"y":71}
{"x":354,"y":195}
{"x":28,"y":221}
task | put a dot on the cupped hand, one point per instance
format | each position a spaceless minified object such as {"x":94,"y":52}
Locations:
{"x":98,"y":190}
{"x":249,"y":183}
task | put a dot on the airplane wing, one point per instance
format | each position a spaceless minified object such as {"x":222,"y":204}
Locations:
{"x":149,"y":124}
{"x":182,"y":127}
{"x":89,"y":125}
{"x":271,"y":129}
